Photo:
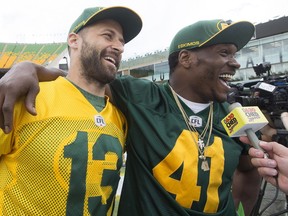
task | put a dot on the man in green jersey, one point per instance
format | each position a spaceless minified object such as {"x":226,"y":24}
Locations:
{"x":180,"y":161}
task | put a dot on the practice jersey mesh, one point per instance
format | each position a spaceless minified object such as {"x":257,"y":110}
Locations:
{"x":60,"y":162}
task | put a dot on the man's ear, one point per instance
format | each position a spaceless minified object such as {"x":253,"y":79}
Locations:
{"x":73,"y":40}
{"x":186,"y":58}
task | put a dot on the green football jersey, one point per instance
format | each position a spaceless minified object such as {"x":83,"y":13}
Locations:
{"x":64,"y":161}
{"x":163,"y":169}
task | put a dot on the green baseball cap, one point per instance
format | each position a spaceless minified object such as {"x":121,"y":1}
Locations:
{"x":129,"y":20}
{"x":210,"y":32}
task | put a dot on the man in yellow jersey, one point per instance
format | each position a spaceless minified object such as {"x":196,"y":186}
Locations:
{"x":67,"y":159}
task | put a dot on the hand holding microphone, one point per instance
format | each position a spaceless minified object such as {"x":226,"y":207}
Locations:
{"x":243,"y":121}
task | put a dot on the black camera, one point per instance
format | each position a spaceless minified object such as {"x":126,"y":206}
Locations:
{"x":270,"y":95}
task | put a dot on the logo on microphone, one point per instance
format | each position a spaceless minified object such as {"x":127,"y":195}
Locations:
{"x":251,"y":113}
{"x":242,"y":118}
{"x":230,"y":121}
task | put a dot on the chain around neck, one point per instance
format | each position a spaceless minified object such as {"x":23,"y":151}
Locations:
{"x":200,"y":143}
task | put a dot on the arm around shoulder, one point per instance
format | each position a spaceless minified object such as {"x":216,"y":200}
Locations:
{"x":22,"y":80}
{"x":45,"y":73}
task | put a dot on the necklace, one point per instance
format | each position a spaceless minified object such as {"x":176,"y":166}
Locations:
{"x":200,"y":142}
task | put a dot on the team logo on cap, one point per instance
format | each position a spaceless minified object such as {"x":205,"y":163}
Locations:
{"x":189,"y":44}
{"x":223,"y":25}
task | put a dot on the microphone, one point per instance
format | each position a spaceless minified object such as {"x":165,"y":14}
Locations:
{"x":284,"y":119}
{"x":242,"y":121}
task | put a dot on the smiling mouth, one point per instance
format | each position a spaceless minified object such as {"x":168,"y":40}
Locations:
{"x":110,"y":59}
{"x":225,"y":78}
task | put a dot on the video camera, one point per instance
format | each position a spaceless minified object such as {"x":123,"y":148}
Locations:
{"x":270,"y":95}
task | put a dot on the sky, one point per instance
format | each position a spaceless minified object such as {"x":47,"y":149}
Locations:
{"x":41,"y":21}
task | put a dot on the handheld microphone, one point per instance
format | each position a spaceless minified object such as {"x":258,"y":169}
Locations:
{"x":243,"y":121}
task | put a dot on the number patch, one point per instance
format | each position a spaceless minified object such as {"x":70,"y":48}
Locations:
{"x":186,"y":188}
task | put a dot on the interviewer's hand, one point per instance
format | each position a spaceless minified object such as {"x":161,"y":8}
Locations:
{"x":273,"y":167}
{"x":20,"y":80}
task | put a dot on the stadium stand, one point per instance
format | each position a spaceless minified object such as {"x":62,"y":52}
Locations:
{"x":44,"y":54}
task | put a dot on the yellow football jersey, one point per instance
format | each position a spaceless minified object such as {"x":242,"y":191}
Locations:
{"x":64,"y":161}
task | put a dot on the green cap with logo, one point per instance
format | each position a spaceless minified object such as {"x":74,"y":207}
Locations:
{"x":129,"y":20}
{"x":210,"y":32}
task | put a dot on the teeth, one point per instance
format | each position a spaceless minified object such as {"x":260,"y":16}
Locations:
{"x":226,"y":76}
{"x":110,"y":59}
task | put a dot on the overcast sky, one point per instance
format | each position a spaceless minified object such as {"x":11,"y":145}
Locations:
{"x":30,"y":21}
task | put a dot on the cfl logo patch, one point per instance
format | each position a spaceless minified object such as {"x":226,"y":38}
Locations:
{"x":195,"y":121}
{"x":99,"y":121}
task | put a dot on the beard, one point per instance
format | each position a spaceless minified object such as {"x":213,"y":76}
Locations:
{"x":92,"y":68}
